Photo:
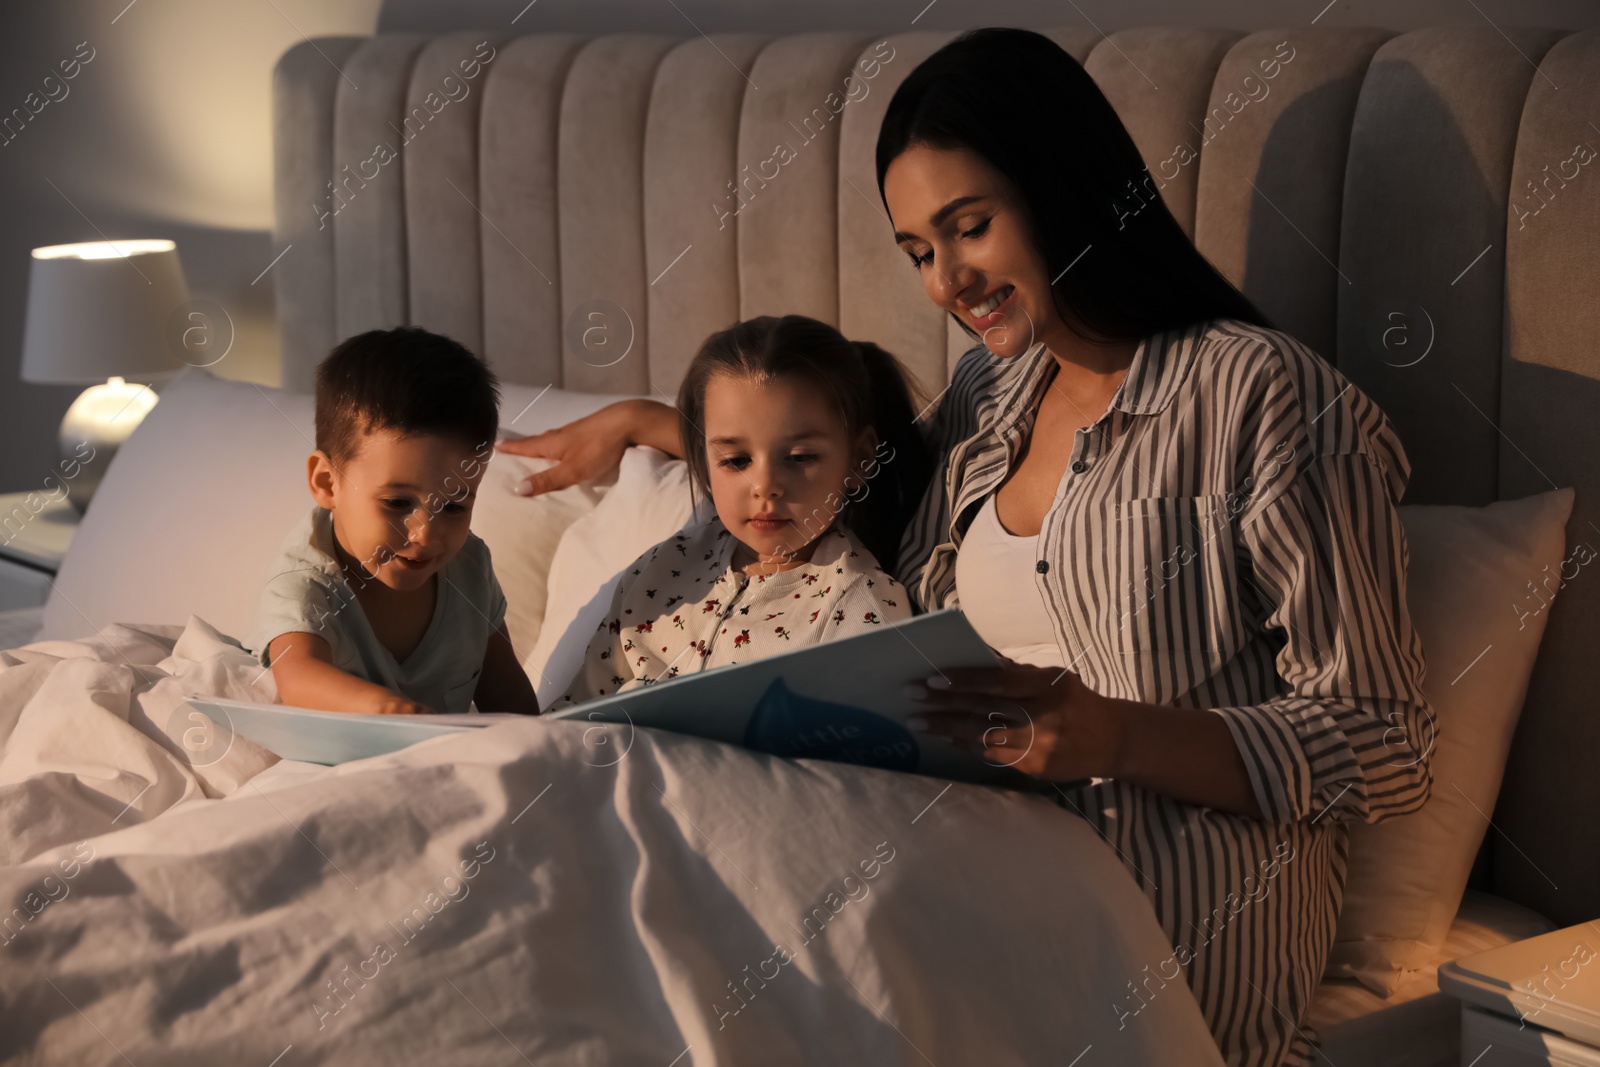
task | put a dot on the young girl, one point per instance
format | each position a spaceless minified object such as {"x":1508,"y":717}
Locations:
{"x":805,"y":444}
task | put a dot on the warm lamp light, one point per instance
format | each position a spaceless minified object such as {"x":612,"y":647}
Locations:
{"x":98,"y":313}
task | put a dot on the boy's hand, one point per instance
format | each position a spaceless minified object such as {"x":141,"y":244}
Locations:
{"x":306,"y":678}
{"x":394,"y":704}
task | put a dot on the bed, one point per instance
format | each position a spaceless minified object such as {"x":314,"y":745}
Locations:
{"x":582,"y":211}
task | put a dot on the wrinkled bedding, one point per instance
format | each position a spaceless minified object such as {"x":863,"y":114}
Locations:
{"x":543,"y":892}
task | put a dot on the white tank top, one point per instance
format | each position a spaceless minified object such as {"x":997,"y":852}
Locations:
{"x":996,"y":585}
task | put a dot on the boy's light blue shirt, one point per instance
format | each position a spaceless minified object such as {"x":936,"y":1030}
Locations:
{"x":307,"y":592}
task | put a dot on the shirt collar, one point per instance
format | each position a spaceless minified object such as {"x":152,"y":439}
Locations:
{"x":1160,"y":363}
{"x":833,"y":545}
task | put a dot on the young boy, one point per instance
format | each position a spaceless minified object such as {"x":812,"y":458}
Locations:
{"x":382,"y":600}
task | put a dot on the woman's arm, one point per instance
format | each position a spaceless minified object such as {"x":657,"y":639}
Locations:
{"x":1352,"y":733}
{"x":1185,"y":754}
{"x":302,"y":667}
{"x":1045,"y":722}
{"x":592,"y":446}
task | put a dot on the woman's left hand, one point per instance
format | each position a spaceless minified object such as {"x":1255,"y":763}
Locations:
{"x":1042,"y":721}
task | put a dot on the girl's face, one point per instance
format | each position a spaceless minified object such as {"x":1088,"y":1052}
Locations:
{"x":970,"y":237}
{"x":778,"y":455}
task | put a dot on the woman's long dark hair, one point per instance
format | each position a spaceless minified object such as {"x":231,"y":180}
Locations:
{"x":1018,"y":100}
{"x":867,"y":385}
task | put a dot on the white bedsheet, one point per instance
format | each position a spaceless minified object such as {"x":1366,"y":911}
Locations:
{"x":545,"y":892}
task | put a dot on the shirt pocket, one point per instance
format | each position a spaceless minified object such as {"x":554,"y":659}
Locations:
{"x":1175,"y":594}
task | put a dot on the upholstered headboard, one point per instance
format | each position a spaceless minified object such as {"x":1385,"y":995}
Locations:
{"x":1424,"y":209}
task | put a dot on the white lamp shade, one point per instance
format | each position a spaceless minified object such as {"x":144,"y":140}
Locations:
{"x":100,"y":310}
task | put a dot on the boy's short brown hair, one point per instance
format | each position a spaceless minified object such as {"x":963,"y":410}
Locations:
{"x":407,"y":380}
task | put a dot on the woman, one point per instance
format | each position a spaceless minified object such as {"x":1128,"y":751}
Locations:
{"x":1193,"y":518}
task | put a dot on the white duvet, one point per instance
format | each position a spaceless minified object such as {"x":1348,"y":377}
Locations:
{"x":536,"y":892}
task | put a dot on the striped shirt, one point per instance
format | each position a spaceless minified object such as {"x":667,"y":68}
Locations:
{"x":1226,"y":536}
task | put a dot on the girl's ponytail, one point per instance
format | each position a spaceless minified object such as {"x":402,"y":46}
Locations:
{"x":886,"y":490}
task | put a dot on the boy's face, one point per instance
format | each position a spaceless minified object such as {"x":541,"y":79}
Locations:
{"x":401,"y":505}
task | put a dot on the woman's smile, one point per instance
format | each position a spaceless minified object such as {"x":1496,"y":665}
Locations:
{"x":993,"y":308}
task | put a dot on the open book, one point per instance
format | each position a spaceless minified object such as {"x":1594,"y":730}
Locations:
{"x":844,"y":701}
{"x":326,"y":737}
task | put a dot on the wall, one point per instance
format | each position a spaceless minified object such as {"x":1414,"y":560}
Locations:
{"x":166,"y":132}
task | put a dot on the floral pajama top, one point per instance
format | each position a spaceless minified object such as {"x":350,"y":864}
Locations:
{"x":683,"y":607}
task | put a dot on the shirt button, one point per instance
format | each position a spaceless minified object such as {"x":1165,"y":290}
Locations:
{"x":1079,"y":467}
{"x":1043,"y":566}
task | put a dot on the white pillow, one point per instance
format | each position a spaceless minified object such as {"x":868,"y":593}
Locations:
{"x":200,"y":497}
{"x":522,"y":533}
{"x":1469,"y":575}
{"x":649,"y":503}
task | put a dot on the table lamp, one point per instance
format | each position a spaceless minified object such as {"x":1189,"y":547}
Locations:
{"x":97,"y":314}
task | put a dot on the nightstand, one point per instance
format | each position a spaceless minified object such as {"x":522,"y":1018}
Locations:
{"x":35,"y":532}
{"x":1533,"y":1002}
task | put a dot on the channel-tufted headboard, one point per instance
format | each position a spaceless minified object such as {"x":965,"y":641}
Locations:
{"x":1423,"y":209}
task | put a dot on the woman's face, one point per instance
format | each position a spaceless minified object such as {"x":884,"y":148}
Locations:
{"x":970,"y":237}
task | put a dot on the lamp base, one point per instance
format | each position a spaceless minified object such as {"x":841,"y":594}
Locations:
{"x":92,"y":430}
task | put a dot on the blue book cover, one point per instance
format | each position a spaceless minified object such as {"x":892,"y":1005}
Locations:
{"x":844,"y":700}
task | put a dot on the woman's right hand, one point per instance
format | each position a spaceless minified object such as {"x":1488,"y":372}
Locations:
{"x":592,"y":446}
